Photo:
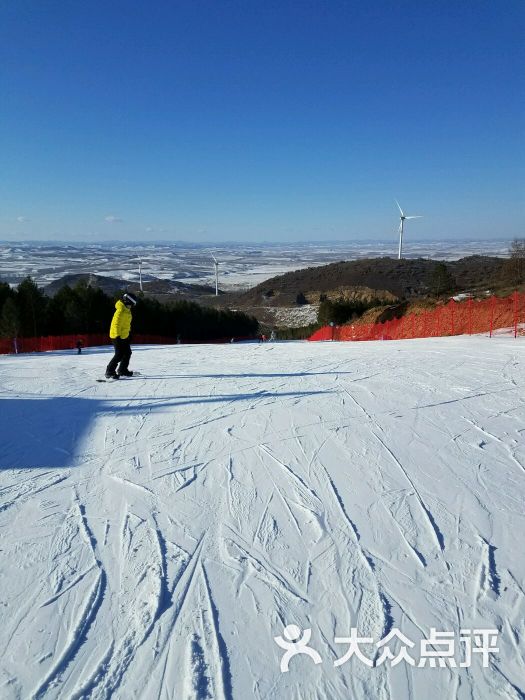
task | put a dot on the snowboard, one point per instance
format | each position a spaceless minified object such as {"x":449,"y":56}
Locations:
{"x":105,"y":380}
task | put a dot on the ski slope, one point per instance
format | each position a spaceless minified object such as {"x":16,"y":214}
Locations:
{"x":157,"y":533}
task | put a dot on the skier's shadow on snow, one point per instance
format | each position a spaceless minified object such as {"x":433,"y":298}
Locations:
{"x":246,"y":375}
{"x":85,"y":351}
{"x":157,"y":403}
{"x":43,"y":433}
{"x":49,"y":432}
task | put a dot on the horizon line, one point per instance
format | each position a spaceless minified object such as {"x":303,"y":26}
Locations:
{"x":196,"y":244}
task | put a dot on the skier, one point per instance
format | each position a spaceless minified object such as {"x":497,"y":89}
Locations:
{"x":119,"y":334}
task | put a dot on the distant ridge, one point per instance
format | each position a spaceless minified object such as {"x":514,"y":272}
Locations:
{"x":112,"y":285}
{"x":403,"y":278}
{"x":109,"y":285}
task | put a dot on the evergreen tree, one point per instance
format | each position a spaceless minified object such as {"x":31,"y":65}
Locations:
{"x":32,"y":305}
{"x":341,"y":311}
{"x":441,"y":281}
{"x":98,"y":308}
{"x":55,"y":316}
{"x":10,"y":319}
{"x":5,"y":293}
{"x":65,"y":314}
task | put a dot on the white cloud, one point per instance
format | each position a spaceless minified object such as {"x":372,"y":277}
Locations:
{"x":22,"y":219}
{"x":153,"y":229}
{"x":113,"y":219}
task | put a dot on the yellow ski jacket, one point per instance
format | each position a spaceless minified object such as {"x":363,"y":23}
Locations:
{"x":121,"y":322}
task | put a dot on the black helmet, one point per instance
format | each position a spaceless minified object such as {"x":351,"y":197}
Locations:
{"x":129,"y":299}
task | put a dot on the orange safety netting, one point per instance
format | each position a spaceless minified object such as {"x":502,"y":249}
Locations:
{"x":454,"y":318}
{"x":69,"y":342}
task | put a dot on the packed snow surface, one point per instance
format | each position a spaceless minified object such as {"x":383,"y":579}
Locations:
{"x":157,"y":533}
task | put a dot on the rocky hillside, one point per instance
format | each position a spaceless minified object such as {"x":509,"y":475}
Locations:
{"x":400,"y":278}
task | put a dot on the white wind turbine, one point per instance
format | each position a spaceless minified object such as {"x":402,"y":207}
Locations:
{"x":402,"y":220}
{"x":215,"y":262}
{"x":140,"y":275}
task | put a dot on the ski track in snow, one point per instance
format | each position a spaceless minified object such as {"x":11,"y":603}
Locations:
{"x":230,"y":491}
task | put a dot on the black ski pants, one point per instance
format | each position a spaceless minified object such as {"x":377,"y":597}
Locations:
{"x":121,"y":357}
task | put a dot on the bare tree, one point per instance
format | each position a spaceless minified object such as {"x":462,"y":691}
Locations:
{"x":516,"y":265}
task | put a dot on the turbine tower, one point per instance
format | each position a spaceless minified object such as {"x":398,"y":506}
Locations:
{"x":140,"y":275}
{"x":402,"y":220}
{"x":216,"y":275}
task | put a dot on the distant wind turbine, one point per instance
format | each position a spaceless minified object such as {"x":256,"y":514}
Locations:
{"x":216,"y":275}
{"x":402,"y":220}
{"x":140,"y":275}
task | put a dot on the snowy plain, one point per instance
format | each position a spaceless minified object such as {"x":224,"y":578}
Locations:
{"x":157,"y":533}
{"x":241,"y":265}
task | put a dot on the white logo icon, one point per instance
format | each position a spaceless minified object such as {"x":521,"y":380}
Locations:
{"x":296,"y":642}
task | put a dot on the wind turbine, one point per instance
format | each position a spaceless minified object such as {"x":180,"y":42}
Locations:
{"x":402,"y":220}
{"x":140,"y":275}
{"x":216,"y":275}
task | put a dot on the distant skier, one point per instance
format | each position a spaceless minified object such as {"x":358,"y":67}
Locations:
{"x":119,"y":334}
{"x":79,"y":345}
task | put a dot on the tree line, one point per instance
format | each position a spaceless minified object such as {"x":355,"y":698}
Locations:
{"x":28,"y":312}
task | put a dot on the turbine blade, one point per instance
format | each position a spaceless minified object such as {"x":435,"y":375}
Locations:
{"x":413,"y":217}
{"x":399,"y":207}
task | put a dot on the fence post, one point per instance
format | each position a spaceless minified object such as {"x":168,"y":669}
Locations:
{"x":492,"y":305}
{"x":515,"y":295}
{"x":469,"y":305}
{"x":451,"y":304}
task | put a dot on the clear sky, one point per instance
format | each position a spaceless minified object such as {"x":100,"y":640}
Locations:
{"x":214,"y":120}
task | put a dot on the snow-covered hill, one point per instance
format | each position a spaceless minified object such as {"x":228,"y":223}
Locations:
{"x":157,"y":533}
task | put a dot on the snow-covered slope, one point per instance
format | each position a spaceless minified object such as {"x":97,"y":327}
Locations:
{"x":157,"y":533}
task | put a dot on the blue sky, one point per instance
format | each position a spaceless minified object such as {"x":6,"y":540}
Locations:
{"x":281,"y":121}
